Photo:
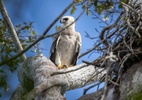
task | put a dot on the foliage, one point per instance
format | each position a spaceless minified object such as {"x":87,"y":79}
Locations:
{"x":105,"y":7}
{"x":7,"y":49}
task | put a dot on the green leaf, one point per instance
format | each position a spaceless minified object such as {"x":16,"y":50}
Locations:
{"x":95,"y":3}
{"x":83,"y":6}
{"x":99,"y":10}
{"x":30,"y":39}
{"x":3,"y":81}
{"x":77,"y":1}
{"x":1,"y":71}
{"x":33,"y":33}
{"x":73,"y":9}
{"x":57,"y":28}
{"x":24,"y":45}
{"x":120,"y":6}
{"x":125,"y":1}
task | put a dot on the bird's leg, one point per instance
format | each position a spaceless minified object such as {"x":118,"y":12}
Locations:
{"x":65,"y":66}
{"x":62,"y":66}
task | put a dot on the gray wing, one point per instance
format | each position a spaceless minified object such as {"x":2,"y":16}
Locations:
{"x":77,"y":49}
{"x":53,"y":48}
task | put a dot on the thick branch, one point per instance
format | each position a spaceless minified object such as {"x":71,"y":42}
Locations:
{"x":83,"y":76}
{"x":38,"y":69}
{"x":11,"y":29}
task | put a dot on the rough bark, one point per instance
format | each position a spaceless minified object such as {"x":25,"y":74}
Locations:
{"x":130,"y":86}
{"x":131,"y":83}
{"x":40,"y":79}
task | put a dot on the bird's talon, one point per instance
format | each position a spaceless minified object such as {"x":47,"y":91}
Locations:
{"x":65,"y":66}
{"x":62,"y":67}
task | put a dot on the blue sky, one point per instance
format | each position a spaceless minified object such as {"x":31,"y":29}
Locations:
{"x":42,"y":13}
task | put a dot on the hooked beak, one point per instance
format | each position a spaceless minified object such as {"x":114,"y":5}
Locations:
{"x":62,"y":21}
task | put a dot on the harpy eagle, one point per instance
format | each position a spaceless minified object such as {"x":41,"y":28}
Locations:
{"x":66,"y":44}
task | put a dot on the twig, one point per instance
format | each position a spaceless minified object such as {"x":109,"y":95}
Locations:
{"x":98,"y":17}
{"x":85,"y":90}
{"x":122,"y":65}
{"x":96,"y":73}
{"x":102,"y":39}
{"x":90,"y":50}
{"x":106,"y":81}
{"x":109,"y":27}
{"x":130,"y":8}
{"x":111,"y":59}
{"x":11,"y":29}
{"x":128,"y":20}
{"x":113,"y":82}
{"x":100,"y":81}
{"x":68,"y":70}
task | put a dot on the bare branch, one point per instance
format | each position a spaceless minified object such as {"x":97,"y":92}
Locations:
{"x":108,"y":28}
{"x":130,"y":8}
{"x":90,"y":50}
{"x":106,"y":82}
{"x":64,"y":71}
{"x":128,"y":20}
{"x":85,"y":90}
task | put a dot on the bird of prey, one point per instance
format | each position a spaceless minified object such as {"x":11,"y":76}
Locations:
{"x":66,"y":44}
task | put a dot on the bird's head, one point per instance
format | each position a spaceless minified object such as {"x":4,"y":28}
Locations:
{"x":67,"y":20}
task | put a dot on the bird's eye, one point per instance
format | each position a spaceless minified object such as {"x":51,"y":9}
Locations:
{"x":66,"y":19}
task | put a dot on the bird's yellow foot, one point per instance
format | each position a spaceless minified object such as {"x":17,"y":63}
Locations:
{"x":62,"y":66}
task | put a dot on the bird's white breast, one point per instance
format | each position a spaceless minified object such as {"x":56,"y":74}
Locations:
{"x":66,"y":46}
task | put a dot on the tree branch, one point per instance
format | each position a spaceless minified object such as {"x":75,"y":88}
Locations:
{"x":39,"y":70}
{"x":90,"y":50}
{"x":11,"y":29}
{"x":101,"y":37}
